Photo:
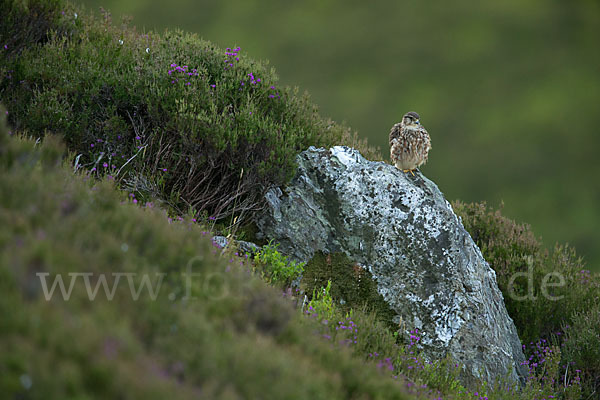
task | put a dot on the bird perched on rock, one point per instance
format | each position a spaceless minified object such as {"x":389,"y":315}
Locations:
{"x":409,"y":143}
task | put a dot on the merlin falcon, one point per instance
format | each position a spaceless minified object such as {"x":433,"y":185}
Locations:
{"x":409,"y":143}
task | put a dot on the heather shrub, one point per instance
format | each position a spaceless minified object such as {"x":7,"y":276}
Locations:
{"x":521,"y":264}
{"x":581,"y":347}
{"x":543,"y":290}
{"x":29,"y":23}
{"x":170,"y":116}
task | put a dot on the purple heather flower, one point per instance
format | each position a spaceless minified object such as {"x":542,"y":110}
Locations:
{"x":105,"y":165}
{"x":138,"y":138}
{"x":92,"y":145}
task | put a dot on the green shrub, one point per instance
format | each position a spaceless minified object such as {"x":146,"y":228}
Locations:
{"x":277,"y":268}
{"x":522,"y":266}
{"x":171,"y":116}
{"x":29,"y":23}
{"x":581,"y":348}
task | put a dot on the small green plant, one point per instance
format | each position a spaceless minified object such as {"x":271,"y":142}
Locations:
{"x":276,"y":267}
{"x":352,"y":286}
{"x":322,"y":303}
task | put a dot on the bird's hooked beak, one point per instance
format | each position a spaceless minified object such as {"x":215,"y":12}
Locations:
{"x":417,"y":122}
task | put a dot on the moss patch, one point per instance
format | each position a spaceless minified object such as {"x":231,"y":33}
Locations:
{"x":351,"y":285}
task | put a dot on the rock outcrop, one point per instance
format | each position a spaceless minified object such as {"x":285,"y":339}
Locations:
{"x":401,"y":229}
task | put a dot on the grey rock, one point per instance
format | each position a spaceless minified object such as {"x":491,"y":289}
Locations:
{"x":220,"y":241}
{"x":248,"y":247}
{"x":404,"y":232}
{"x":242,"y":246}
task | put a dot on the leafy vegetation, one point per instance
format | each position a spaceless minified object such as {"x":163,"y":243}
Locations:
{"x":277,"y":268}
{"x":171,"y":116}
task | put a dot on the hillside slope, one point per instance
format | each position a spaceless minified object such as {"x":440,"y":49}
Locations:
{"x":151,"y":332}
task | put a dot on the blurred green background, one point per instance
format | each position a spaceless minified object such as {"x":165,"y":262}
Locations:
{"x":509,"y":90}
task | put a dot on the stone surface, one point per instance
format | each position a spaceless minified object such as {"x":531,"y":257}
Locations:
{"x":243,"y":247}
{"x":403,"y":231}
